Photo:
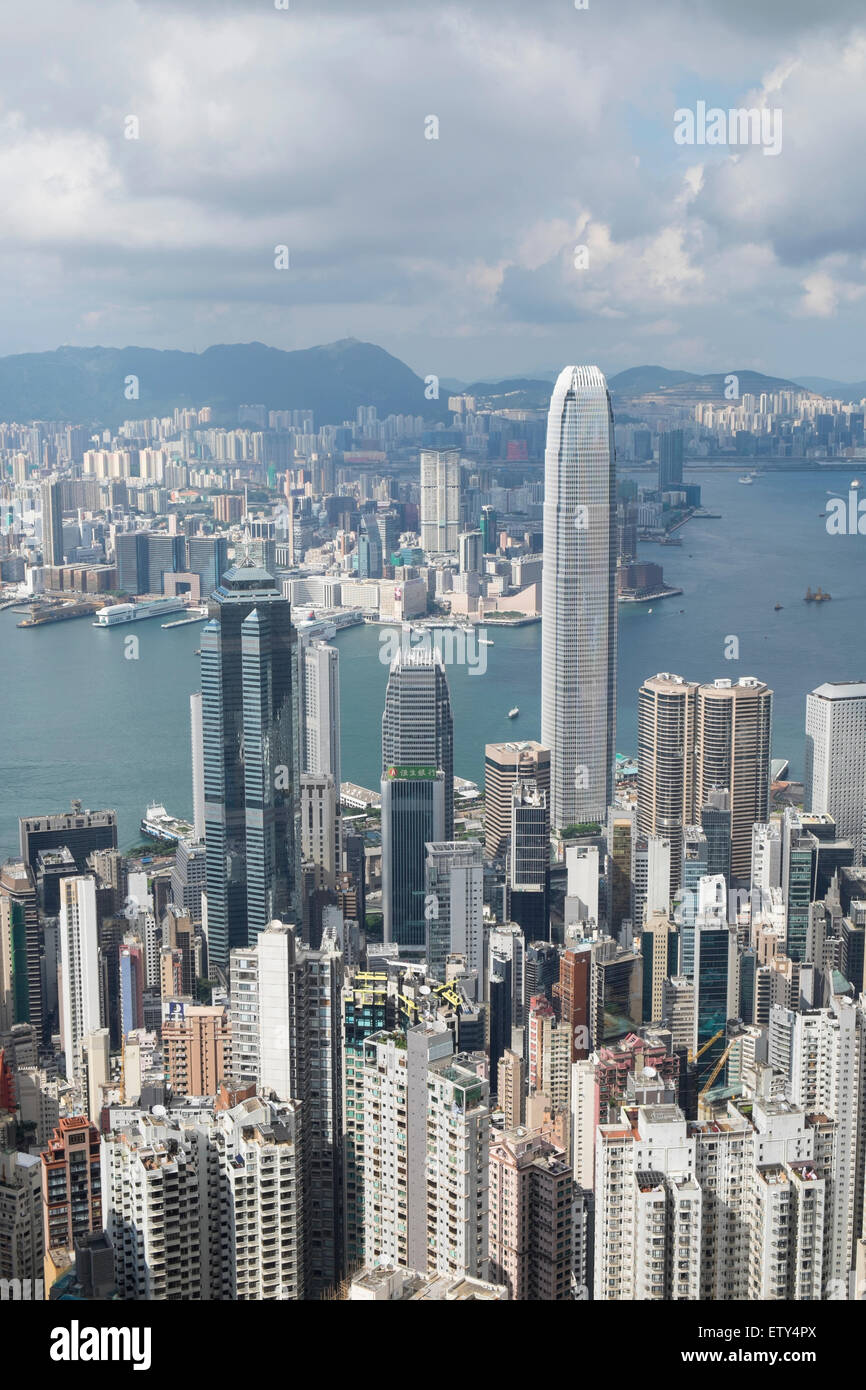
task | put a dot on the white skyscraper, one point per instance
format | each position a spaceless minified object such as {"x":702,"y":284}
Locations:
{"x":197,"y":766}
{"x":320,"y":693}
{"x":79,"y":963}
{"x":454,"y":904}
{"x":440,"y":499}
{"x":835,"y":780}
{"x":578,"y":650}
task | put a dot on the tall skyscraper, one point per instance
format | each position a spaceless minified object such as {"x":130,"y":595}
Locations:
{"x":505,"y":764}
{"x":320,"y":709}
{"x":670,"y":460}
{"x":79,"y":965}
{"x":413,"y":816}
{"x":197,"y":745}
{"x":733,"y":751}
{"x":835,"y":778}
{"x":440,"y":500}
{"x":578,"y":646}
{"x":454,"y":904}
{"x":470,"y":552}
{"x":52,"y":522}
{"x":251,"y":777}
{"x":417,"y":726}
{"x":528,"y":873}
{"x":666,"y":769}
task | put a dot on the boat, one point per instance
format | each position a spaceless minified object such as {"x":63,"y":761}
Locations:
{"x":116,"y":613}
{"x":746,"y":478}
{"x":159,"y":825}
{"x":855,"y":482}
{"x":818,"y":597}
{"x":513,"y":713}
{"x":485,"y":642}
{"x":777,"y":607}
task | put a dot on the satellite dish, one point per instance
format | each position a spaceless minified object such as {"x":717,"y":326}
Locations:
{"x":159,"y":1111}
{"x":424,"y":989}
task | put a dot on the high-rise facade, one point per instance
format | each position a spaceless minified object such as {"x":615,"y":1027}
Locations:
{"x":79,"y":965}
{"x":320,"y":709}
{"x":251,"y":774}
{"x":413,"y":816}
{"x":835,"y":777}
{"x":505,"y":764}
{"x":417,"y":725}
{"x":454,"y":904}
{"x":670,"y":460}
{"x":528,"y":873}
{"x":52,"y":522}
{"x":666,"y":769}
{"x":440,"y":500}
{"x":733,"y":752}
{"x":579,"y":616}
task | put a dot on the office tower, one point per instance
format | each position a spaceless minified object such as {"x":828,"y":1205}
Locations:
{"x":505,"y":764}
{"x":715,"y":975}
{"x":578,"y":634}
{"x":506,"y":942}
{"x":766,"y":863}
{"x":178,"y":935}
{"x":365,"y":1011}
{"x":250,"y":759}
{"x":733,"y":751}
{"x":454,"y":904}
{"x":21,"y":1240}
{"x":427,"y":1179}
{"x":80,"y":831}
{"x":531,"y":1217}
{"x":716,"y":825}
{"x":417,"y":725}
{"x":528,"y":871}
{"x":413,"y":816}
{"x":207,"y":556}
{"x":71,"y":1202}
{"x":52,"y":522}
{"x":369,"y":552}
{"x":620,"y":834}
{"x":549,"y":1055}
{"x":581,"y":890}
{"x":671,"y":461}
{"x":440,"y":500}
{"x":189,"y":878}
{"x":659,"y":948}
{"x":197,"y":745}
{"x":130,"y":559}
{"x":470,"y":552}
{"x":320,"y":710}
{"x":666,"y":748}
{"x":20,"y":949}
{"x":540,"y":971}
{"x":196,"y":1044}
{"x":319,"y":824}
{"x":651,"y":877}
{"x":164,"y":554}
{"x":695,"y":866}
{"x":488,"y":525}
{"x":131,"y":987}
{"x":173,"y":1190}
{"x":615,"y":992}
{"x":170,"y":974}
{"x":821,"y":1053}
{"x":79,"y":964}
{"x":511,"y":1088}
{"x":835,"y":777}
{"x":299,"y":1004}
{"x":573,"y":990}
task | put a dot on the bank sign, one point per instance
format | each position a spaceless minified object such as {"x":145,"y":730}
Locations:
{"x":410,"y":772}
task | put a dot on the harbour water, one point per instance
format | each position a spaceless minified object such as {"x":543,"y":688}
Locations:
{"x":80,"y":719}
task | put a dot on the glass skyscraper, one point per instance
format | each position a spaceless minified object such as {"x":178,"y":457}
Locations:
{"x":578,"y":649}
{"x":251,"y":778}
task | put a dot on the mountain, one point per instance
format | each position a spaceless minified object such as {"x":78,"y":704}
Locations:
{"x":89,"y":384}
{"x":638,"y":381}
{"x":838,"y":390}
{"x":667,"y":387}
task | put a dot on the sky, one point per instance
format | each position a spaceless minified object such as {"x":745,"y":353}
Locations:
{"x":255,"y":127}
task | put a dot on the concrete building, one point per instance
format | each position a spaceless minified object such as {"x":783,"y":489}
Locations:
{"x":531,"y":1217}
{"x":835,"y":775}
{"x":79,"y":967}
{"x":734,"y":721}
{"x":454,"y":904}
{"x":196,"y":1043}
{"x":440,"y":500}
{"x":666,"y":767}
{"x":505,"y":764}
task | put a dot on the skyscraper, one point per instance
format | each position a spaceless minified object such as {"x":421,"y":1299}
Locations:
{"x":413,"y":816}
{"x":440,"y":500}
{"x":52,"y":522}
{"x":528,"y":875}
{"x":670,"y":460}
{"x":250,"y":759}
{"x":733,"y":751}
{"x":79,"y":963}
{"x":454,"y":904}
{"x":666,"y":749}
{"x":505,"y":764}
{"x":319,"y":695}
{"x":835,"y":780}
{"x":417,"y":726}
{"x":578,"y":649}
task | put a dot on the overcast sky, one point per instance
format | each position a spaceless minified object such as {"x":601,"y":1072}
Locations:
{"x":261,"y":127}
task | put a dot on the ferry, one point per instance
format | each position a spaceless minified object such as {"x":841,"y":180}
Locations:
{"x":485,"y":642}
{"x":116,"y":613}
{"x":746,"y":478}
{"x":159,"y":825}
{"x":513,"y":713}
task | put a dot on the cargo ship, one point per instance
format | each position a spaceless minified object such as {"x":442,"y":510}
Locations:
{"x":135,"y":612}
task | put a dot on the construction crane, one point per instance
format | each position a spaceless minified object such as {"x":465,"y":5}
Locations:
{"x":693,"y":1056}
{"x":718,"y":1067}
